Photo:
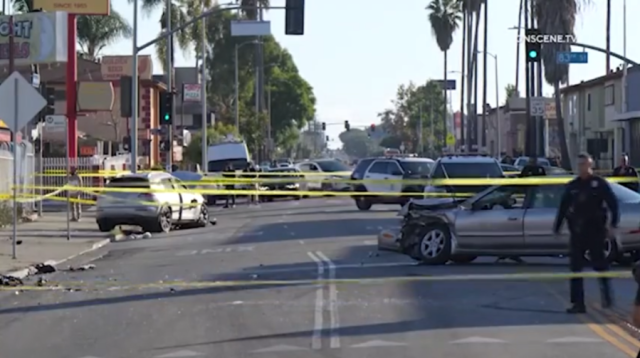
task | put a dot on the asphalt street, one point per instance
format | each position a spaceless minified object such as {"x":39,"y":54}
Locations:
{"x":295,"y":240}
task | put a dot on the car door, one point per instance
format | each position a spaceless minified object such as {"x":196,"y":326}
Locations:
{"x":494,"y":221}
{"x":540,"y":216}
{"x":172,"y":197}
{"x":187,"y":200}
{"x":374,"y":177}
{"x":394,"y":175}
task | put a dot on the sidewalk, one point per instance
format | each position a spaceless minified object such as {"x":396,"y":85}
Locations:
{"x":46,"y":240}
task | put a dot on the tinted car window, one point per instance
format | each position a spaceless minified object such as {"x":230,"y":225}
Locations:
{"x":472,"y":170}
{"x":417,"y":167}
{"x":215,"y":166}
{"x":128,"y":182}
{"x":378,"y":168}
{"x":332,"y":166}
{"x":358,"y":172}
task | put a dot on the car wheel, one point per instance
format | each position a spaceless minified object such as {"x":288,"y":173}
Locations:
{"x":463,"y":259}
{"x":162,"y":222}
{"x":610,"y":251}
{"x":105,"y":226}
{"x":363,"y":203}
{"x":203,"y":217}
{"x":434,"y":247}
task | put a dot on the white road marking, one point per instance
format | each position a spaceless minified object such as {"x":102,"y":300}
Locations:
{"x":279,"y":348}
{"x":478,"y":340}
{"x":180,"y":354}
{"x":372,"y":344}
{"x":340,"y":266}
{"x":316,"y":336}
{"x":217,"y":250}
{"x":370,"y":242}
{"x":333,"y":302}
{"x":574,"y":340}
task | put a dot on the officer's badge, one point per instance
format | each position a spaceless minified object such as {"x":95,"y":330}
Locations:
{"x":594,"y":183}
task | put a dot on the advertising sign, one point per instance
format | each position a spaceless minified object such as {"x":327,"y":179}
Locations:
{"x":40,"y":37}
{"x":191,"y":92}
{"x":114,"y":67}
{"x":78,"y":7}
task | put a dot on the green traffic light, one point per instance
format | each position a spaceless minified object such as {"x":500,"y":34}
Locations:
{"x":533,"y":53}
{"x":166,"y":117}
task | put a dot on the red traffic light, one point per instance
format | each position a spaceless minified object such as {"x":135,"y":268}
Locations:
{"x":373,"y":127}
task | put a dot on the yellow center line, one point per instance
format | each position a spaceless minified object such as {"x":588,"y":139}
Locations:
{"x":598,"y":326}
{"x":616,"y":327}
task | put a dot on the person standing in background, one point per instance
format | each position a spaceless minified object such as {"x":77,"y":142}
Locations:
{"x":229,"y":174}
{"x":625,"y":170}
{"x":75,"y":181}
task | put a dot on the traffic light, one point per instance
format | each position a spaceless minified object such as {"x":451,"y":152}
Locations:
{"x":166,"y":108}
{"x":324,"y":126}
{"x":532,"y":46}
{"x":373,"y":127}
{"x":294,"y":17}
{"x":326,"y":138}
{"x":347,"y":126}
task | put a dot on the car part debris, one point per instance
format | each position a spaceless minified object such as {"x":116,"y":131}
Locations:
{"x":10,"y":281}
{"x":82,"y":268}
{"x":42,"y":269}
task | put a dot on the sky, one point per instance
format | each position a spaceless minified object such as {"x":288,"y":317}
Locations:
{"x":356,"y":53}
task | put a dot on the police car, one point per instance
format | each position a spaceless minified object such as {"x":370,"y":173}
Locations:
{"x":460,"y":166}
{"x":386,"y":175}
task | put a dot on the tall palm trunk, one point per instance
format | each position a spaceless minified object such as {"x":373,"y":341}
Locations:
{"x":484,"y":77}
{"x":463,"y":79}
{"x":475,"y":76}
{"x":608,"y":61}
{"x":469,"y":76}
{"x":564,"y":150}
{"x":444,"y":92}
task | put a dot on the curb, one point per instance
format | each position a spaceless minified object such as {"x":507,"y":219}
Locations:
{"x":23,"y":273}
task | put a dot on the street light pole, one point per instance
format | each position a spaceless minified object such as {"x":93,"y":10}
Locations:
{"x":203,"y":93}
{"x":498,"y":111}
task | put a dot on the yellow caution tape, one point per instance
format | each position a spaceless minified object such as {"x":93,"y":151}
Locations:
{"x":346,"y":281}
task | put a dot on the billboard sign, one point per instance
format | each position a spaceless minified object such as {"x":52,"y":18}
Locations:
{"x":39,"y":37}
{"x":191,"y":93}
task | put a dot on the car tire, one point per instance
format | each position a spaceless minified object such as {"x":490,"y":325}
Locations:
{"x":434,"y":245}
{"x":463,"y":259}
{"x":297,"y":197}
{"x":203,"y":217}
{"x":162,"y":223}
{"x":362,"y":203}
{"x":105,"y":226}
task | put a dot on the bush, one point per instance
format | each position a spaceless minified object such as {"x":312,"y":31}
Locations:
{"x":6,"y":214}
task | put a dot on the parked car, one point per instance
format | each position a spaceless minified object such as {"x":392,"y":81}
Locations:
{"x":157,"y":202}
{"x":281,"y":183}
{"x":507,"y":220}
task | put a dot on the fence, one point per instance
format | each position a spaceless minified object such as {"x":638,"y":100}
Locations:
{"x":26,"y":180}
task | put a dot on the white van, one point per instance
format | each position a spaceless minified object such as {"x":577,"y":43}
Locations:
{"x":222,"y":154}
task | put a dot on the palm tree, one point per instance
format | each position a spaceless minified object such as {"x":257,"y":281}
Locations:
{"x":250,"y":12}
{"x":444,"y":17}
{"x":194,"y":9}
{"x":557,"y":17}
{"x":22,"y":6}
{"x":178,"y":17}
{"x":97,"y":32}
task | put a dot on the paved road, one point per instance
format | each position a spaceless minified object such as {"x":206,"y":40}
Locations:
{"x":300,"y":240}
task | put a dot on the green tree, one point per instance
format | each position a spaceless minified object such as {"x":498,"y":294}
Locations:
{"x":97,"y":32}
{"x":510,"y":91}
{"x":444,"y":17}
{"x":193,"y":152}
{"x":558,"y":18}
{"x":357,"y":143}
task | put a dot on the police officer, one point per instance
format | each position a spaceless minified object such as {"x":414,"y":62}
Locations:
{"x":250,"y":172}
{"x":582,"y":204}
{"x":533,"y":169}
{"x":624,"y":170}
{"x":229,"y":174}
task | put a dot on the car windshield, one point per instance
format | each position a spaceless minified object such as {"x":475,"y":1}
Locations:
{"x":331,"y":166}
{"x":422,"y":168}
{"x":625,"y":195}
{"x":472,"y":170}
{"x":215,"y":166}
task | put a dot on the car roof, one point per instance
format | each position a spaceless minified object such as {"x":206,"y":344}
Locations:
{"x":414,"y":159}
{"x":467,"y":159}
{"x":146,"y":175}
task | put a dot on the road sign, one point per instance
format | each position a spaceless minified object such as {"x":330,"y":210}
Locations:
{"x":55,"y":123}
{"x":450,"y":85}
{"x":19,"y":102}
{"x":572,"y":57}
{"x":451,"y":140}
{"x":537,"y":106}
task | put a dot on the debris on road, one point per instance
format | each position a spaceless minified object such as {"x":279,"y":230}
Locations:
{"x":81,"y":268}
{"x":10,"y":281}
{"x":42,"y":269}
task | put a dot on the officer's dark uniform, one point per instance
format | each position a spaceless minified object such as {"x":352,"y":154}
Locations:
{"x":229,"y":173}
{"x":533,"y":171}
{"x":583,"y":206}
{"x":627,"y":171}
